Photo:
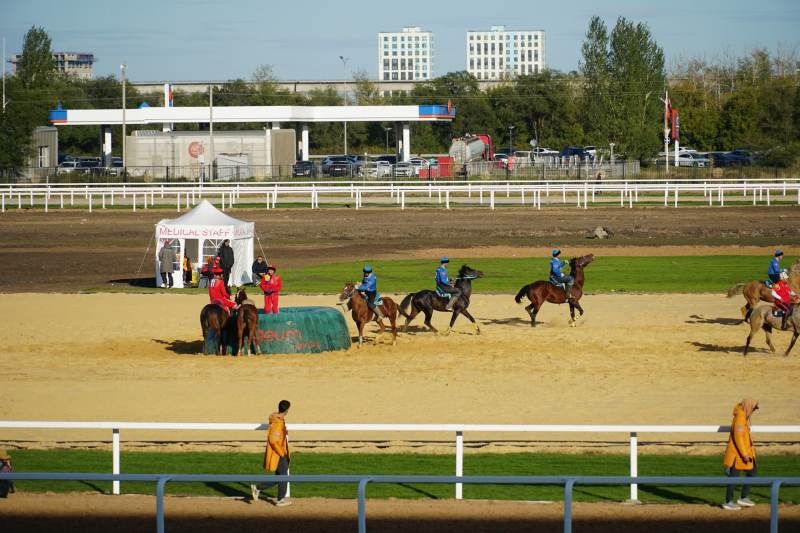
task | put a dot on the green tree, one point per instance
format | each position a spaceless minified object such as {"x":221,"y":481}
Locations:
{"x":36,"y":67}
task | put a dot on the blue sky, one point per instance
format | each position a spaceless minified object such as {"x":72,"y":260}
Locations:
{"x":218,"y":40}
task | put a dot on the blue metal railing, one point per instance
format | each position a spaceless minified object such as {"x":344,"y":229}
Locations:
{"x":362,"y":480}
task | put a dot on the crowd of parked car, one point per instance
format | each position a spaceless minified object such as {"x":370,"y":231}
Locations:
{"x":87,"y":165}
{"x":362,"y":167}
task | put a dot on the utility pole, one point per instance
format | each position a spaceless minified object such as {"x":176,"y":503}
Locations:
{"x":4,"y":74}
{"x":344,"y":61}
{"x":666,"y":131}
{"x":123,"y":66}
{"x":387,"y":140}
{"x":211,"y":130}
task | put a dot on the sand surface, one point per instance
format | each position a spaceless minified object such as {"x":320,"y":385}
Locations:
{"x":87,"y":513}
{"x":633,"y":359}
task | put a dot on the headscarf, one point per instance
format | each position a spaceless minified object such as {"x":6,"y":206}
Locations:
{"x":749,"y":406}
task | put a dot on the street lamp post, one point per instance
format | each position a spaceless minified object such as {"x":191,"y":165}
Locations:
{"x":344,"y":69}
{"x":387,"y":140}
{"x":510,"y":149}
{"x":612,"y":145}
{"x":123,"y":66}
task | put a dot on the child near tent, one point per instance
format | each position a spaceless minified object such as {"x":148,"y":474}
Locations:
{"x":271,"y":284}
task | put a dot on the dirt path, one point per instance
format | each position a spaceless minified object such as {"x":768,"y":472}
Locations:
{"x":65,"y":251}
{"x":89,"y":513}
{"x":634,"y":359}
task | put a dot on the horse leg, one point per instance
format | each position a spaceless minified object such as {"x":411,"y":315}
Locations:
{"x":240,"y":331}
{"x":768,"y":330}
{"x":410,"y":317}
{"x":217,"y":341}
{"x":361,"y":334}
{"x":474,"y":324}
{"x":253,"y":333}
{"x":456,"y":312}
{"x":393,"y":321}
{"x":383,"y":328}
{"x":428,"y":316}
{"x":205,"y":338}
{"x":791,"y":344}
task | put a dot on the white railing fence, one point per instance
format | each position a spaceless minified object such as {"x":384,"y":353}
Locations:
{"x":632,"y":431}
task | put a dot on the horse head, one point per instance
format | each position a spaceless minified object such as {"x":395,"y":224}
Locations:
{"x":348,"y":292}
{"x":581,"y":261}
{"x":240,"y":296}
{"x":469,"y":273}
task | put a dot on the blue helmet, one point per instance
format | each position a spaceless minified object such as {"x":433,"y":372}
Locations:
{"x":367,"y":269}
{"x":445,"y":260}
{"x":556,"y":252}
{"x":778,"y":253}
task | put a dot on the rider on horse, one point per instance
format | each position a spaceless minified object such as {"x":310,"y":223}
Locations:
{"x":555,"y":274}
{"x":774,"y":272}
{"x":218,"y":293}
{"x":443,"y":283}
{"x":783,"y":298}
{"x":370,"y":287}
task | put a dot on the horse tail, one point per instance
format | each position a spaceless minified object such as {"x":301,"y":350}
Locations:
{"x":522,"y":292}
{"x":405,"y":305}
{"x":733,"y":291}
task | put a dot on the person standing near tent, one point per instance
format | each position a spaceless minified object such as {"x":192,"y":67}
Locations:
{"x":271,"y":284}
{"x":167,"y":258}
{"x":226,"y":260}
{"x":188,"y":266}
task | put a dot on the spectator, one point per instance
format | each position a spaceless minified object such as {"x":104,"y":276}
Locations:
{"x":276,"y":458}
{"x":259,"y":267}
{"x":167,"y":258}
{"x":226,"y":259}
{"x":740,"y":454}
{"x":6,"y":485}
{"x":208,"y":272}
{"x":188,"y":266}
{"x":271,"y":284}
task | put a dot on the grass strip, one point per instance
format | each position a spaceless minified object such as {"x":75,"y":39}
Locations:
{"x":90,"y":461}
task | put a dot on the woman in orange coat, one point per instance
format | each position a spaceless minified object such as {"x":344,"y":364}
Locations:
{"x":740,"y":454}
{"x":276,"y":458}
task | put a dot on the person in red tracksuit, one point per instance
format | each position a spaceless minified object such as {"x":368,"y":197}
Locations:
{"x":784,"y":298}
{"x":271,"y":284}
{"x":217,"y":291}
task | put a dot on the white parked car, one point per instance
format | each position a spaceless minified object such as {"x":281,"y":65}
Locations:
{"x":374,"y":169}
{"x":591,"y":149}
{"x":68,"y":166}
{"x":404,"y":169}
{"x":685,"y":150}
{"x":543,"y":151}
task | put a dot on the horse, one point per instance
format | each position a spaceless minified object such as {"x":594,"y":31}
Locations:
{"x":429,"y":301}
{"x":362,"y":314}
{"x":544,"y":291}
{"x":756,"y":291}
{"x":215,"y":318}
{"x":761,"y":318}
{"x":246,"y":319}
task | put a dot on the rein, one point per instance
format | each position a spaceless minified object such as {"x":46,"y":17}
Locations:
{"x":583,"y":257}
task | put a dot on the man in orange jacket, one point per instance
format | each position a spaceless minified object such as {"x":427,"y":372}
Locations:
{"x":271,"y":284}
{"x":740,"y":454}
{"x":276,"y":458}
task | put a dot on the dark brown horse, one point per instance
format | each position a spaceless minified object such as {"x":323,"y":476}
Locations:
{"x":427,"y":302}
{"x":756,"y":291}
{"x":215,"y":318}
{"x":246,"y":321}
{"x":362,"y":314}
{"x":544,"y":291}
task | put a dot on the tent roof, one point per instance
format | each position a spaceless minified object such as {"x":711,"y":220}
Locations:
{"x":206,"y":215}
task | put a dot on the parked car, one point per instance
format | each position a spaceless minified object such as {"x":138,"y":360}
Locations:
{"x":543,"y":151}
{"x":116,"y":167}
{"x":501,"y":159}
{"x":374,"y":169}
{"x":575,"y":150}
{"x":691,"y":159}
{"x":337,"y":165}
{"x":64,"y":157}
{"x":304,"y":168}
{"x":68,"y":166}
{"x":747,"y":154}
{"x":685,"y":150}
{"x":725,"y":159}
{"x":507,"y":151}
{"x":358,"y":160}
{"x":591,"y":150}
{"x":419,"y":163}
{"x":391,"y":159}
{"x":404,"y":169}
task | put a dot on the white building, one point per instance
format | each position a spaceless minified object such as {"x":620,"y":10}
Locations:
{"x":489,"y":54}
{"x":72,"y":63}
{"x":405,"y":55}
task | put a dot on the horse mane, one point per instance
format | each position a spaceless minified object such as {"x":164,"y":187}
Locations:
{"x":463,"y":270}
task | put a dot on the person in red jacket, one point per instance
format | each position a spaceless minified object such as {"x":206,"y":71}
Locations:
{"x":218,"y":293}
{"x":784,"y":297}
{"x":271,"y":284}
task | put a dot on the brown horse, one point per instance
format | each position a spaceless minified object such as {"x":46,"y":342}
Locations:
{"x":215,"y":318}
{"x":761,"y":318}
{"x":544,"y":291}
{"x":756,"y":291}
{"x":246,"y":319}
{"x":363,"y":314}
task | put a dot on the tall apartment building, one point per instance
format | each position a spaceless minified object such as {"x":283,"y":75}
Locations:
{"x":80,"y":65}
{"x":489,"y":54}
{"x":405,"y":55}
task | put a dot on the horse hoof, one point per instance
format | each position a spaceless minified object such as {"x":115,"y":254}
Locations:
{"x":572,"y":325}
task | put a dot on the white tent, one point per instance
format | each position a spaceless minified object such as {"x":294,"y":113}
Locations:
{"x":199,"y":234}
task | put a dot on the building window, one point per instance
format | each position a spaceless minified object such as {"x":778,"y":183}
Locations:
{"x":479,"y":37}
{"x":394,"y":52}
{"x":425,"y":75}
{"x":501,"y":62}
{"x":529,"y":56}
{"x":492,"y":48}
{"x":485,"y":48}
{"x":402,"y":75}
{"x":416,"y":39}
{"x":402,"y":38}
{"x":402,"y":64}
{"x":386,"y":52}
{"x":471,"y":37}
{"x":472,"y":64}
{"x":536,"y":68}
{"x":394,"y":39}
{"x":492,"y":64}
{"x":424,"y":39}
{"x":479,"y":75}
{"x":385,"y":64}
{"x":472,"y":49}
{"x":386,"y":75}
{"x":424,"y":45}
{"x":501,"y":48}
{"x":530,"y":69}
{"x":536,"y":55}
{"x":485,"y":62}
{"x":394,"y":47}
{"x":402,"y":52}
{"x":44,"y":156}
{"x":394,"y":75}
{"x":424,"y":53}
{"x":394,"y":64}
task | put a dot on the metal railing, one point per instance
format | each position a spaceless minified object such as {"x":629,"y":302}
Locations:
{"x":568,"y":482}
{"x":632,"y":431}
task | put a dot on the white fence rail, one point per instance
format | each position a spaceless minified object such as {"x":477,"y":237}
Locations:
{"x":402,"y":193}
{"x":632,"y":431}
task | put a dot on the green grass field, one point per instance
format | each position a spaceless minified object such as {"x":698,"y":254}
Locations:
{"x":86,"y":461}
{"x":714,"y":273}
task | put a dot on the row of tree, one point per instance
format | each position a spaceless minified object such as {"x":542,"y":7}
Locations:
{"x":725,"y":102}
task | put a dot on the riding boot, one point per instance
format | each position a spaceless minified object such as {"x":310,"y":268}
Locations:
{"x":785,"y":319}
{"x":568,"y":291}
{"x":378,"y":313}
{"x":451,"y":303}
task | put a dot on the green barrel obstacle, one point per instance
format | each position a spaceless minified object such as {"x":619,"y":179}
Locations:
{"x":293,"y":330}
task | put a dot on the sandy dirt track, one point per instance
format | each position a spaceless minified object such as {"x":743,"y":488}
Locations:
{"x":65,"y":251}
{"x":638,"y":359}
{"x":87,"y":513}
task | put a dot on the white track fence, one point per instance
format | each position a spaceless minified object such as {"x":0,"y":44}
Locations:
{"x":458,"y":429}
{"x":576,"y":192}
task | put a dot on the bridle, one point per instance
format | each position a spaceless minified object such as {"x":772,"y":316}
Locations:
{"x":583,"y":257}
{"x":351,"y":294}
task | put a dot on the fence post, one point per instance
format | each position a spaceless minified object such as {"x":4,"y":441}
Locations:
{"x":676,"y":195}
{"x":634,"y":466}
{"x":767,"y":195}
{"x":178,"y":201}
{"x":402,"y":199}
{"x":773,"y":506}
{"x":115,"y":465}
{"x":447,"y":198}
{"x":492,"y":198}
{"x":160,"y":503}
{"x":585,"y":194}
{"x":362,"y":504}
{"x":134,"y":202}
{"x":568,"y":505}
{"x":459,"y":461}
{"x":90,"y":203}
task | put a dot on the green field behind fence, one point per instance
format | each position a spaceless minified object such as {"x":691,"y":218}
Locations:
{"x":541,"y":464}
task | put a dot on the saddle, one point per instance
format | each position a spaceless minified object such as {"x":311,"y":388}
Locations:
{"x":440,"y":292}
{"x":778,"y":313}
{"x":558,"y":284}
{"x":769,"y":284}
{"x":218,"y":302}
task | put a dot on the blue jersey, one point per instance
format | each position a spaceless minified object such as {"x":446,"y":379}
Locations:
{"x":369,"y":283}
{"x":774,"y":267}
{"x":555,"y":267}
{"x":441,"y":276}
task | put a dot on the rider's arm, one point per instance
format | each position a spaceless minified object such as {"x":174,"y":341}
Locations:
{"x":775,"y":295}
